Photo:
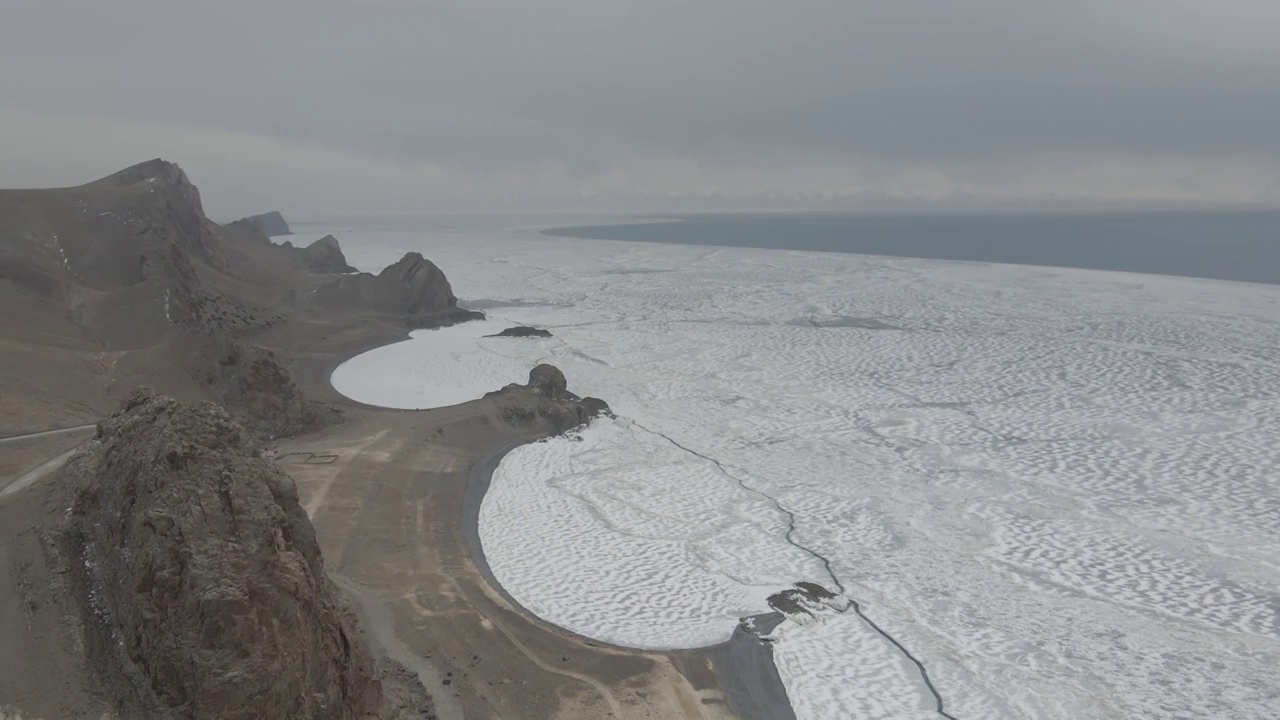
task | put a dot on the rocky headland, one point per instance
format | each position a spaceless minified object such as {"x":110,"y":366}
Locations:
{"x":272,"y":223}
{"x":412,"y":288}
{"x":325,"y":256}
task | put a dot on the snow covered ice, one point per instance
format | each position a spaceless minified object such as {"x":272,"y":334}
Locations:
{"x":434,"y":368}
{"x":1059,"y":490}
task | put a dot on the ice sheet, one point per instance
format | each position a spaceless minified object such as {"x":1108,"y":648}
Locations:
{"x":1056,"y":489}
{"x":434,"y":368}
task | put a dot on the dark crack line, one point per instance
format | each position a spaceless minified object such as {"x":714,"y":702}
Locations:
{"x":826,"y":564}
{"x":924,"y":674}
{"x":791,"y":518}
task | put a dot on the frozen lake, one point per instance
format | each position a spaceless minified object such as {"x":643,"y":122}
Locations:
{"x":1058,"y":490}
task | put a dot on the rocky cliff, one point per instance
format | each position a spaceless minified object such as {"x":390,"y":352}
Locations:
{"x":203,"y":589}
{"x":325,"y":256}
{"x":271,"y":223}
{"x":546,"y":400}
{"x":101,"y":285}
{"x":255,"y":388}
{"x":413,"y":288}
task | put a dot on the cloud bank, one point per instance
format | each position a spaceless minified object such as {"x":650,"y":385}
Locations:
{"x":398,"y":106}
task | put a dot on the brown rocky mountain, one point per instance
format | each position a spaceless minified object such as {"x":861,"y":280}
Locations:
{"x":123,"y":281}
{"x":203,"y":589}
{"x":271,"y":223}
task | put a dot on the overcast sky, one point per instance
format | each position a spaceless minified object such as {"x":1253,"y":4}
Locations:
{"x":334,"y":106}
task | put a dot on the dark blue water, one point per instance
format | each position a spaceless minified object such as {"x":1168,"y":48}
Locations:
{"x":1227,"y":245}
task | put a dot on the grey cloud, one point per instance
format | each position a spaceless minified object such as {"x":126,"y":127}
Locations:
{"x":804,"y":94}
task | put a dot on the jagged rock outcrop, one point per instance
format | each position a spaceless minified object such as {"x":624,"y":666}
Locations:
{"x":522,"y":331}
{"x":546,"y":399}
{"x":272,"y":223}
{"x":547,"y":380}
{"x":413,"y":288}
{"x":805,"y":600}
{"x":325,"y":256}
{"x":202,"y":585}
{"x":251,"y":383}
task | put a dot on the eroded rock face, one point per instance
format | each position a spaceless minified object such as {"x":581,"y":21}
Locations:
{"x":325,"y":256}
{"x":421,"y":284}
{"x":202,"y":584}
{"x":546,"y":401}
{"x":413,"y":287}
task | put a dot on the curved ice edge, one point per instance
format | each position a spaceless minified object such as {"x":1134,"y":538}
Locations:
{"x":750,"y":680}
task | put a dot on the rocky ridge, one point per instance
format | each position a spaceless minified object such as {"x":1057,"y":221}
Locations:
{"x":202,"y":585}
{"x":124,"y":281}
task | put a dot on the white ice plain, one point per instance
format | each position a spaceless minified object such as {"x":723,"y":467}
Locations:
{"x":434,"y":368}
{"x":1057,"y":489}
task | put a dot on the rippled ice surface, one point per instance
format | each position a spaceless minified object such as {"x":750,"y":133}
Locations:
{"x":1057,"y":489}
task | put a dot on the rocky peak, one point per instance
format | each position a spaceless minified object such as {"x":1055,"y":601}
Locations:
{"x":413,"y":288}
{"x":151,"y":171}
{"x":547,"y":380}
{"x":200,"y":577}
{"x":424,"y":284}
{"x":272,"y":223}
{"x":325,"y":256}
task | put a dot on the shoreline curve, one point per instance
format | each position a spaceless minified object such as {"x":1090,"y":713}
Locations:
{"x":749,"y":677}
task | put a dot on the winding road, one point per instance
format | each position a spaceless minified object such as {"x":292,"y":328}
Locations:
{"x":45,"y":468}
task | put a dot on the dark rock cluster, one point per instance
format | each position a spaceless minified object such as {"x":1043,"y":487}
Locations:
{"x":255,"y":386}
{"x":413,"y":288}
{"x":203,"y":588}
{"x":545,"y":400}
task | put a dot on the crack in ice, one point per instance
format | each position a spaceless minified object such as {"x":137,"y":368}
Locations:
{"x":789,"y":537}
